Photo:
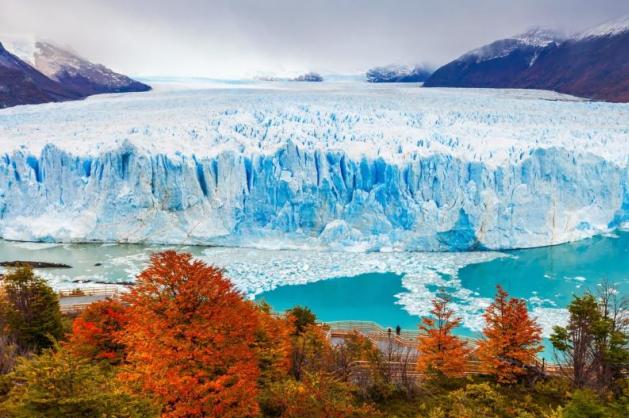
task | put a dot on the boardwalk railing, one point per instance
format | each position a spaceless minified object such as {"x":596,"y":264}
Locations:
{"x":106,"y":290}
{"x":67,"y":297}
{"x":373,"y":331}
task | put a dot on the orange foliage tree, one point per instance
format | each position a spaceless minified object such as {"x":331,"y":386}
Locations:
{"x":512,"y":339}
{"x":189,"y":339}
{"x":94,"y":332}
{"x":440,"y":352}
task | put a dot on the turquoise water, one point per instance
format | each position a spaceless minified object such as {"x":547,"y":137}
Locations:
{"x":555,"y":273}
{"x":367,"y":297}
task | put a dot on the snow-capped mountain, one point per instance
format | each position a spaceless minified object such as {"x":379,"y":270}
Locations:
{"x":497,"y":64}
{"x":593,"y":64}
{"x":397,"y":74}
{"x":68,"y":68}
{"x":532,"y":40}
{"x":311,"y":77}
{"x":297,"y":165}
{"x":20,"y":83}
{"x":611,"y":28}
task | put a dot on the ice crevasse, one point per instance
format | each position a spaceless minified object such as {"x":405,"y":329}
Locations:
{"x":366,"y":169}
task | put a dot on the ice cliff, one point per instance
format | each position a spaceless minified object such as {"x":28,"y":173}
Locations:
{"x":345,"y":166}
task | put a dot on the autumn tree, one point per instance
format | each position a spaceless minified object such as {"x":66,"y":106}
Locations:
{"x":29,"y":310}
{"x":511,"y":339}
{"x":189,"y":338}
{"x":440,"y":352}
{"x":57,"y":384}
{"x":95,"y":330}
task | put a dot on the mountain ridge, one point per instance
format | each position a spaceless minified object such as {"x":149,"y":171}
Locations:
{"x":592,"y":64}
{"x":34,"y":72}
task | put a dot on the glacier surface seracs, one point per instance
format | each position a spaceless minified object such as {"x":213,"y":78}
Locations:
{"x":341,"y":166}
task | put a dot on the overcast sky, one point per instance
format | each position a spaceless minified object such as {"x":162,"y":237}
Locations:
{"x":236,"y":38}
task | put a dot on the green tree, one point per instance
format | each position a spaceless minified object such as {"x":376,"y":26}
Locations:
{"x":303,"y":318}
{"x":584,"y":404}
{"x":593,"y":346}
{"x":30,"y":309}
{"x":57,"y":384}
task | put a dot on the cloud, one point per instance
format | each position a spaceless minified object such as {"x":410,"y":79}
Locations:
{"x":236,"y":38}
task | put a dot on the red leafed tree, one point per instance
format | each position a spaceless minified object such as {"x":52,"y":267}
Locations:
{"x":440,"y":352}
{"x":94,"y":332}
{"x":512,"y":339}
{"x":189,"y":338}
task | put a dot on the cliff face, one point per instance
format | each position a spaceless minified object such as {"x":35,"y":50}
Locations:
{"x":316,"y":199}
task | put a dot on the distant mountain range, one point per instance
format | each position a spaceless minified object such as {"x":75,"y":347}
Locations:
{"x":33,"y":72}
{"x":397,"y":74}
{"x":311,"y":77}
{"x":592,"y":64}
{"x":308,"y":77}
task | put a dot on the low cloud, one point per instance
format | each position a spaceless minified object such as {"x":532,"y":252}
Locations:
{"x":236,"y":38}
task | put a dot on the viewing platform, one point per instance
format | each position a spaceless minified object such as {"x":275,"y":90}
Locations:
{"x":73,"y":301}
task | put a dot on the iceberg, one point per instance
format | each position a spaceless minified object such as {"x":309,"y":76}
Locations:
{"x":346,"y":166}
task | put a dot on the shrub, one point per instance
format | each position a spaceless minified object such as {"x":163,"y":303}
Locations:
{"x":57,"y":384}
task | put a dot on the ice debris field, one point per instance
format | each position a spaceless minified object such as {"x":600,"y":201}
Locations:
{"x":346,"y":166}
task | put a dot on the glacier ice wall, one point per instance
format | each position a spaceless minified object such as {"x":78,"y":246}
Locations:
{"x":296,"y":197}
{"x":350,"y":166}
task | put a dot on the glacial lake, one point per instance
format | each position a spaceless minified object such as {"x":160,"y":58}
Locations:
{"x":388,"y":288}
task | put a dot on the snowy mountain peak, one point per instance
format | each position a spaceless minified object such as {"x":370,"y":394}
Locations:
{"x":609,"y":28}
{"x":538,"y":36}
{"x":63,"y":65}
{"x":533,"y":38}
{"x":397,"y":73}
{"x":22,"y":46}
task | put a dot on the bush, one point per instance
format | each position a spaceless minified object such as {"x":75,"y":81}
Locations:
{"x":57,"y":384}
{"x":317,"y":395}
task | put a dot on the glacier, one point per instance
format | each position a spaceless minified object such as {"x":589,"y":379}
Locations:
{"x":345,"y":166}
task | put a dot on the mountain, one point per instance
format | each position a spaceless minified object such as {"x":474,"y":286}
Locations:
{"x":397,"y":74}
{"x":20,"y":83}
{"x":497,"y":64}
{"x":311,"y":77}
{"x":593,"y":64}
{"x":71,"y":70}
